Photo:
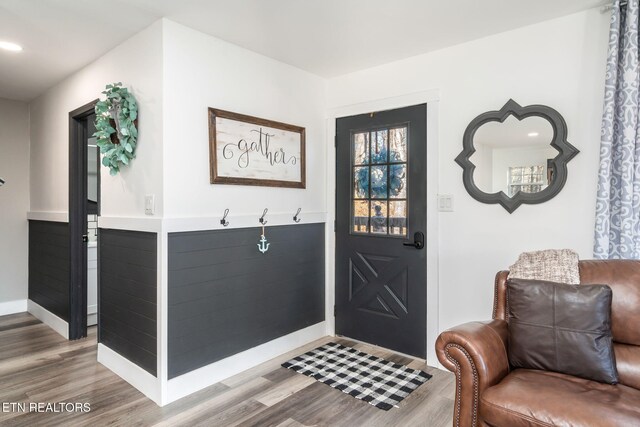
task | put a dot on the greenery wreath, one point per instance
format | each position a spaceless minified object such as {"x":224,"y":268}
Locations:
{"x":116,"y":131}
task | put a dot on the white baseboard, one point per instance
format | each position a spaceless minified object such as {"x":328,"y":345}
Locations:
{"x":92,"y":315}
{"x":92,"y":309}
{"x":92,"y":319}
{"x":130,"y":372}
{"x":48,"y":318}
{"x":13,"y":307}
{"x":207,"y":375}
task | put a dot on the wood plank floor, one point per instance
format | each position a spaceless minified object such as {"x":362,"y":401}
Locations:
{"x":38,"y":365}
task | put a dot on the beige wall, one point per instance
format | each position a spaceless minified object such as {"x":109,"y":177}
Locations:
{"x":14,"y":203}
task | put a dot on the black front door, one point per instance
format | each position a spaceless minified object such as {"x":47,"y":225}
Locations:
{"x":381,"y":291}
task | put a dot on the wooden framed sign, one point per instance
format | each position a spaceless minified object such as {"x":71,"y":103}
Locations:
{"x":247,"y":150}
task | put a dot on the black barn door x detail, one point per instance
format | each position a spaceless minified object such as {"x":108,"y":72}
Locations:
{"x":380,"y":224}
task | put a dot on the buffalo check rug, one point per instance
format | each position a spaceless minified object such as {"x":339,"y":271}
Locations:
{"x":376,"y":381}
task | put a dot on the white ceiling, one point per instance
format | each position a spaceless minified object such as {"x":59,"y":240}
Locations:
{"x":514,"y":133}
{"x":325,"y":37}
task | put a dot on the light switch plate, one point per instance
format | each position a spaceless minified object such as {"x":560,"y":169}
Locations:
{"x":149,"y":204}
{"x":445,"y":202}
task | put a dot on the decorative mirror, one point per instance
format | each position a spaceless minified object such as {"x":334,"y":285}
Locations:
{"x":516,"y":155}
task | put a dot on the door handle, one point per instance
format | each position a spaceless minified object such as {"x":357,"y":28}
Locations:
{"x":418,"y":240}
{"x":85,"y":238}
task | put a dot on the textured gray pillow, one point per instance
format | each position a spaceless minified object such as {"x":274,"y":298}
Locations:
{"x":554,"y":265}
{"x":561,"y":328}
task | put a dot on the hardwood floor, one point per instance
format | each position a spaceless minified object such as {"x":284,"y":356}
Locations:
{"x":38,"y":365}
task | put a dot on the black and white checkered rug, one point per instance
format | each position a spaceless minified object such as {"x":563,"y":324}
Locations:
{"x":378,"y":382}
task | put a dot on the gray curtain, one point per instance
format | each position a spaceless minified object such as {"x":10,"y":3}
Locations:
{"x":617,"y":230}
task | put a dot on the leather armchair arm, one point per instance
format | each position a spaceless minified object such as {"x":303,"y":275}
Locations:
{"x":477,"y":353}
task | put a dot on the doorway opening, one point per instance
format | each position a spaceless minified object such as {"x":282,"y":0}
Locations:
{"x":84,"y":208}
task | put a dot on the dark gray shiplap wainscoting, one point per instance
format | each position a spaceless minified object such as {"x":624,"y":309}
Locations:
{"x":128,"y":295}
{"x":226,"y":297}
{"x":49,"y":266}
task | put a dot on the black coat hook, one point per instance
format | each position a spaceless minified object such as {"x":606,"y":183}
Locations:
{"x":261,"y":219}
{"x":224,"y":221}
{"x":295,"y":217}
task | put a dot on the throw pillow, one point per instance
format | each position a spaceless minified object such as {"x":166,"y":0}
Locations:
{"x":555,"y":265}
{"x":561,"y":328}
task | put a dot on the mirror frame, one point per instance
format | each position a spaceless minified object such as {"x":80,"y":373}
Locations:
{"x":566,"y":152}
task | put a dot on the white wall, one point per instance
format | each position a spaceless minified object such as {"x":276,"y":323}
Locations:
{"x":137,"y":63}
{"x":14,"y":203}
{"x":201,"y":71}
{"x":560,"y":63}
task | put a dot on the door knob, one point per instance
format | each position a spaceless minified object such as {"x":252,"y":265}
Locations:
{"x":418,"y":240}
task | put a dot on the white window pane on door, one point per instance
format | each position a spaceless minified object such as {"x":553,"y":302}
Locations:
{"x":379,"y":149}
{"x":398,"y":145}
{"x":361,"y":148}
{"x":379,"y":182}
{"x":379,"y":217}
{"x":361,"y":182}
{"x":398,"y":217}
{"x":360,"y":222}
{"x":398,"y":181}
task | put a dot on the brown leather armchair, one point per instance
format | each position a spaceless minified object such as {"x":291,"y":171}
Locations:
{"x":490,"y":393}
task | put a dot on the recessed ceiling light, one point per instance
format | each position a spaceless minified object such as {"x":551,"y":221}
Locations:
{"x":10,"y":46}
{"x":532,"y":134}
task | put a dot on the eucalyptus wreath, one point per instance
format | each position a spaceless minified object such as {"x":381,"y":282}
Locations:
{"x":378,"y":179}
{"x":116,"y":130}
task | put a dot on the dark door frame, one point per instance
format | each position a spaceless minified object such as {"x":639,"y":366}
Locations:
{"x":78,"y":220}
